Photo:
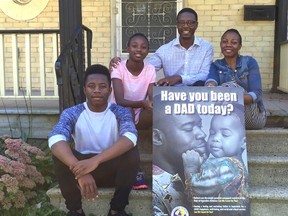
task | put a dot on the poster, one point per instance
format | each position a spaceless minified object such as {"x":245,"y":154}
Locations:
{"x":199,"y":152}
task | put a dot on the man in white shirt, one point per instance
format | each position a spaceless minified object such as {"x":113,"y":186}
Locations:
{"x":105,"y":152}
{"x":185,"y":60}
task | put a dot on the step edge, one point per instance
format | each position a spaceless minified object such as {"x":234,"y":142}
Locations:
{"x":267,"y":159}
{"x":266,"y":193}
{"x":270,"y":130}
{"x":30,"y":112}
{"x":104,"y":192}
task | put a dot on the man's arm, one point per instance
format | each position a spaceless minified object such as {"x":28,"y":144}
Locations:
{"x":86,"y":182}
{"x":114,"y":63}
{"x":127,"y":140}
{"x":83,"y":167}
{"x":156,"y":60}
{"x":169,"y":80}
{"x":63,"y":152}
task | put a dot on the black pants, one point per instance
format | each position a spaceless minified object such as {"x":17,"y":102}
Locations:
{"x":119,"y":173}
{"x":199,"y":83}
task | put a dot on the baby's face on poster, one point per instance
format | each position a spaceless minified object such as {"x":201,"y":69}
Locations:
{"x":226,"y":136}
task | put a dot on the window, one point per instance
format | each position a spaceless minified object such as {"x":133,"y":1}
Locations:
{"x":154,"y":18}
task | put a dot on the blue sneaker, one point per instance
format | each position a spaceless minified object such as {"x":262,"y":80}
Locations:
{"x":140,"y":182}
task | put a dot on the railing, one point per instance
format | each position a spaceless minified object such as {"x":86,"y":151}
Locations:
{"x":70,"y":67}
{"x":27,"y":63}
{"x":283,"y":81}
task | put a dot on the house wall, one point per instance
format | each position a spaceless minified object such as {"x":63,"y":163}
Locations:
{"x":48,"y":19}
{"x":215,"y":16}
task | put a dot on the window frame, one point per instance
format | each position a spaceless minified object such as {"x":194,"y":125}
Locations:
{"x":118,"y":27}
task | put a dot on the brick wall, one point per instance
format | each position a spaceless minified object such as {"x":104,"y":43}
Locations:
{"x":215,"y":16}
{"x":48,"y":19}
{"x":97,"y":16}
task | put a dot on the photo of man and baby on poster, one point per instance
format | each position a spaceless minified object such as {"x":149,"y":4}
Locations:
{"x":199,"y":151}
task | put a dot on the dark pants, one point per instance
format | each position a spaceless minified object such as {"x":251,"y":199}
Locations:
{"x":199,"y":83}
{"x":119,"y":172}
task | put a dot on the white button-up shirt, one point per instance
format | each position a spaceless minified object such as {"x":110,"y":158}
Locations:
{"x":191,"y":64}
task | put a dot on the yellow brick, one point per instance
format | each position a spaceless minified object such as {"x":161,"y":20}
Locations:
{"x":90,"y":4}
{"x":203,"y":8}
{"x":232,"y":2}
{"x":269,"y":27}
{"x":193,"y":3}
{"x":98,"y":3}
{"x":220,"y":7}
{"x":236,"y":6}
{"x":213,"y":2}
{"x":89,"y":9}
{"x":88,"y":14}
{"x":220,"y":18}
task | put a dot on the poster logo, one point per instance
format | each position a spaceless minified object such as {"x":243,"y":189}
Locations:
{"x":179,"y":211}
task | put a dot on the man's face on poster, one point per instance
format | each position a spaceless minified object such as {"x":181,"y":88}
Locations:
{"x":184,"y":132}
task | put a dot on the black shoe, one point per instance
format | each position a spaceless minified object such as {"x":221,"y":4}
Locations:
{"x":75,"y":213}
{"x":119,"y":213}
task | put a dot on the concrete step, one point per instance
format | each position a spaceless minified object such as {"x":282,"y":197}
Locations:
{"x":277,"y":121}
{"x":145,"y":148}
{"x":276,"y":105}
{"x":264,"y":201}
{"x":268,"y":201}
{"x":267,"y":140}
{"x":140,"y":202}
{"x":146,"y":166}
{"x":258,"y":162}
{"x":268,"y":170}
{"x":145,"y":141}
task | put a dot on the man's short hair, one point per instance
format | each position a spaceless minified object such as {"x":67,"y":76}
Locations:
{"x":188,"y":10}
{"x":97,"y":69}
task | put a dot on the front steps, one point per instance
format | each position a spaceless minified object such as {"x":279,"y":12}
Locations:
{"x":264,"y":201}
{"x":140,"y":202}
{"x":267,"y":159}
{"x":268,"y":169}
{"x":268,"y":201}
